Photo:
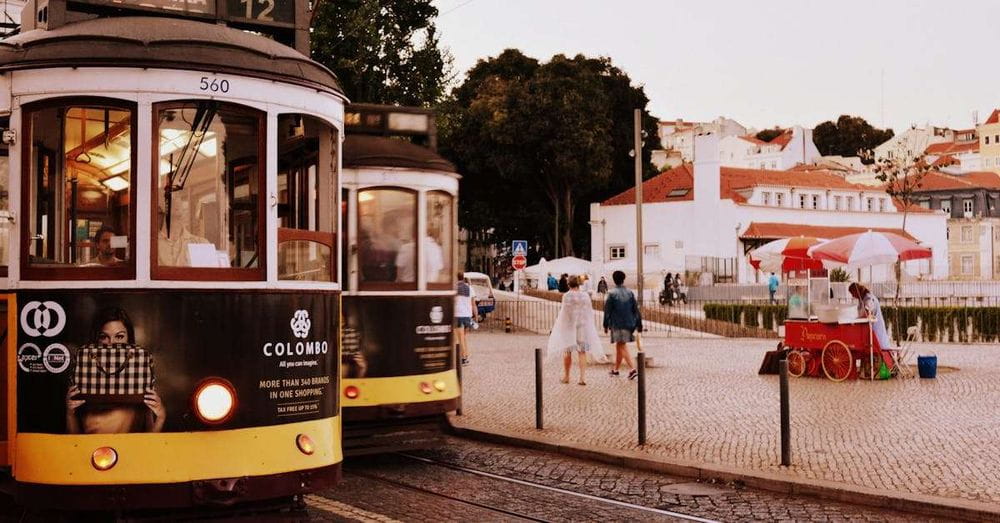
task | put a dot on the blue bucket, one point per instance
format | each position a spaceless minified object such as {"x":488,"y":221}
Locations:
{"x":927,"y":366}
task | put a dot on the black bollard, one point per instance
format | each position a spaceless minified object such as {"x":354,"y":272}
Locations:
{"x":786,"y":429}
{"x":641,"y":363}
{"x":538,"y":389}
{"x":458,"y":371}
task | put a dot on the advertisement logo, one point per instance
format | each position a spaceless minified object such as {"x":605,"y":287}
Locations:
{"x":42,"y":319}
{"x":437,"y":314}
{"x":29,"y":358}
{"x":300,"y":323}
{"x":55,"y":358}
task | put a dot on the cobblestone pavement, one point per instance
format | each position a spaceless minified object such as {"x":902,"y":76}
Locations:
{"x":382,"y":489}
{"x":707,"y":404}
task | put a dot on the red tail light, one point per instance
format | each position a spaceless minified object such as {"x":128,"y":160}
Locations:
{"x":351,"y":392}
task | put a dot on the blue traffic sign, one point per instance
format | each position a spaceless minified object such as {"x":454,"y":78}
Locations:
{"x":520,"y":247}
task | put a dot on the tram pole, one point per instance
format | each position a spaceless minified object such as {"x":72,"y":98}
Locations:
{"x":458,"y":372}
{"x":640,"y":250}
{"x":786,"y":429}
{"x":538,"y":389}
{"x":641,"y":364}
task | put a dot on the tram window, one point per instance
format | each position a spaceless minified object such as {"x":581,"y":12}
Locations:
{"x":208,"y":184}
{"x":79,"y":192}
{"x":387,"y":237}
{"x":307,"y":179}
{"x":5,"y":215}
{"x":440,"y":227}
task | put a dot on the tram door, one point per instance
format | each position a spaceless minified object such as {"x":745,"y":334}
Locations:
{"x":6,"y":340}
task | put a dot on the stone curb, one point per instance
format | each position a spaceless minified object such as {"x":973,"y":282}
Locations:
{"x":921,"y":504}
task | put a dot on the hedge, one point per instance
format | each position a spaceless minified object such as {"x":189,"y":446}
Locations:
{"x":936,"y":324}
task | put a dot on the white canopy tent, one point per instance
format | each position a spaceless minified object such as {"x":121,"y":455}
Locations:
{"x":538,"y":273}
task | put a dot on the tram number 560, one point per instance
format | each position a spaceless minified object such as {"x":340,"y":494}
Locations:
{"x":264,"y":15}
{"x":215,"y":85}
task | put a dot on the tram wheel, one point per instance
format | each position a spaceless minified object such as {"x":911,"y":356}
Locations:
{"x":837,"y":361}
{"x":796,"y":363}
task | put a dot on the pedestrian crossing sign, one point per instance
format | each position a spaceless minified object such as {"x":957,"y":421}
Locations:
{"x":520,"y":247}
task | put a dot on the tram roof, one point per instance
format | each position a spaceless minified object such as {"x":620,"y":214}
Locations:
{"x":376,"y":151}
{"x":168,"y":43}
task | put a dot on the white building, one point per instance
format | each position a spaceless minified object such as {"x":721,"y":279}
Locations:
{"x":705,"y":217}
{"x":677,"y":138}
{"x":792,"y":147}
{"x":911,"y":143}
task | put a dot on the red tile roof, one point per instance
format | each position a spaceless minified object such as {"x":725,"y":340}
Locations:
{"x":952,"y":148}
{"x":994,"y":116}
{"x":945,"y":161}
{"x":774,"y":231}
{"x":732,"y":181}
{"x":783,"y":139}
{"x":753,"y":139}
{"x":938,"y":181}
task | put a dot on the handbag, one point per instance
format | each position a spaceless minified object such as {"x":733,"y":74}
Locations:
{"x":116,"y":373}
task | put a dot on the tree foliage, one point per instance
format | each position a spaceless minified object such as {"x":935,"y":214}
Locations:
{"x":382,"y":51}
{"x":769,"y":134}
{"x":538,"y":140}
{"x":849,"y":136}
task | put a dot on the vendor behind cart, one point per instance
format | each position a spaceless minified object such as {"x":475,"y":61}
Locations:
{"x":868,"y":307}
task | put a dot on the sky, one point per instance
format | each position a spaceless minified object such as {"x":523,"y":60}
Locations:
{"x":769,"y":63}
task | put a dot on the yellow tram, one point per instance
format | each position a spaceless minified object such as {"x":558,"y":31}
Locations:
{"x":399,"y":218}
{"x":169,"y":258}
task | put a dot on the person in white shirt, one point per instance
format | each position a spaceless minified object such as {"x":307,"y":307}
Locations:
{"x":465,"y":305}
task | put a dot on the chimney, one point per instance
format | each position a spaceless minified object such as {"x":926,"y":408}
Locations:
{"x":706,"y":170}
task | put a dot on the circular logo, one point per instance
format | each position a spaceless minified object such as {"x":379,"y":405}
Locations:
{"x":300,"y":323}
{"x":29,"y":357}
{"x":437,"y":314}
{"x":42,"y":319}
{"x":55,"y":358}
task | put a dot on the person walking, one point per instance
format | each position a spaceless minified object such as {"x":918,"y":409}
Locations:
{"x":551,"y":283}
{"x":602,"y":286}
{"x":622,"y":319}
{"x":772,"y":287}
{"x":575,"y":331}
{"x":564,"y":283}
{"x":465,"y":303}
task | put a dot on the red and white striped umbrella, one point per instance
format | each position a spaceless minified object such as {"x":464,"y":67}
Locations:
{"x":869,"y":248}
{"x":786,"y":254}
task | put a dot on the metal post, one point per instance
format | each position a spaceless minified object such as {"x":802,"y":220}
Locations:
{"x":786,"y":429}
{"x":641,"y":362}
{"x":640,"y":250}
{"x":538,"y":389}
{"x":458,"y":371}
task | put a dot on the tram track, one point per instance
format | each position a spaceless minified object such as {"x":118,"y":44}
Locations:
{"x":547,"y":488}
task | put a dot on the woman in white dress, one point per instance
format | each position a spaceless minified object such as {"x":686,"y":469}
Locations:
{"x":575,"y":330}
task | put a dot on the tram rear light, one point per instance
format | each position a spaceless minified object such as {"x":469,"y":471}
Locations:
{"x":214,"y":400}
{"x":305,"y":444}
{"x":440,"y":385}
{"x":426,"y":387}
{"x":104,"y":458}
{"x":351,"y":392}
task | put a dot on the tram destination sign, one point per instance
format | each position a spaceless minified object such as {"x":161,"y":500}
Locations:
{"x":247,"y":13}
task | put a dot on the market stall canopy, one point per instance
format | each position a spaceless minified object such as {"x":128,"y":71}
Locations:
{"x":786,"y":254}
{"x":869,"y":248}
{"x":774,"y":231}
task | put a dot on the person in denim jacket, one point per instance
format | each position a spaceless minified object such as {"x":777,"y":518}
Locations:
{"x":622,"y":319}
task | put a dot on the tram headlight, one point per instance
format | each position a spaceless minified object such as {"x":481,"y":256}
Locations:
{"x":214,"y":400}
{"x":351,"y":392}
{"x":440,"y":385}
{"x":426,"y":387}
{"x":305,"y":444}
{"x":104,"y":458}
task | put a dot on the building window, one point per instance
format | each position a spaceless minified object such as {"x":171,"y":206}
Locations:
{"x":79,"y":198}
{"x":617,"y":252}
{"x":967,"y":207}
{"x":870,"y":204}
{"x":881,"y":205}
{"x":967,"y":234}
{"x":651,"y":249}
{"x":767,"y":198}
{"x":987,"y":140}
{"x":802,"y":201}
{"x":774,"y":165}
{"x":926,"y":204}
{"x":815,"y":201}
{"x":679,"y":244}
{"x":779,"y":199}
{"x":996,"y":138}
{"x":836,"y":202}
{"x":850,"y":203}
{"x":946,"y":206}
{"x":967,"y":265}
{"x":210,"y":215}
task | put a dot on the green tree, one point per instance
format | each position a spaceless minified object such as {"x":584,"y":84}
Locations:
{"x":769,"y":134}
{"x":382,"y":51}
{"x":849,"y":136}
{"x":537,"y":142}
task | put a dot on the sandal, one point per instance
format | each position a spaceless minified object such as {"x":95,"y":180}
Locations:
{"x":581,"y":383}
{"x":564,"y":380}
{"x":614,"y":373}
